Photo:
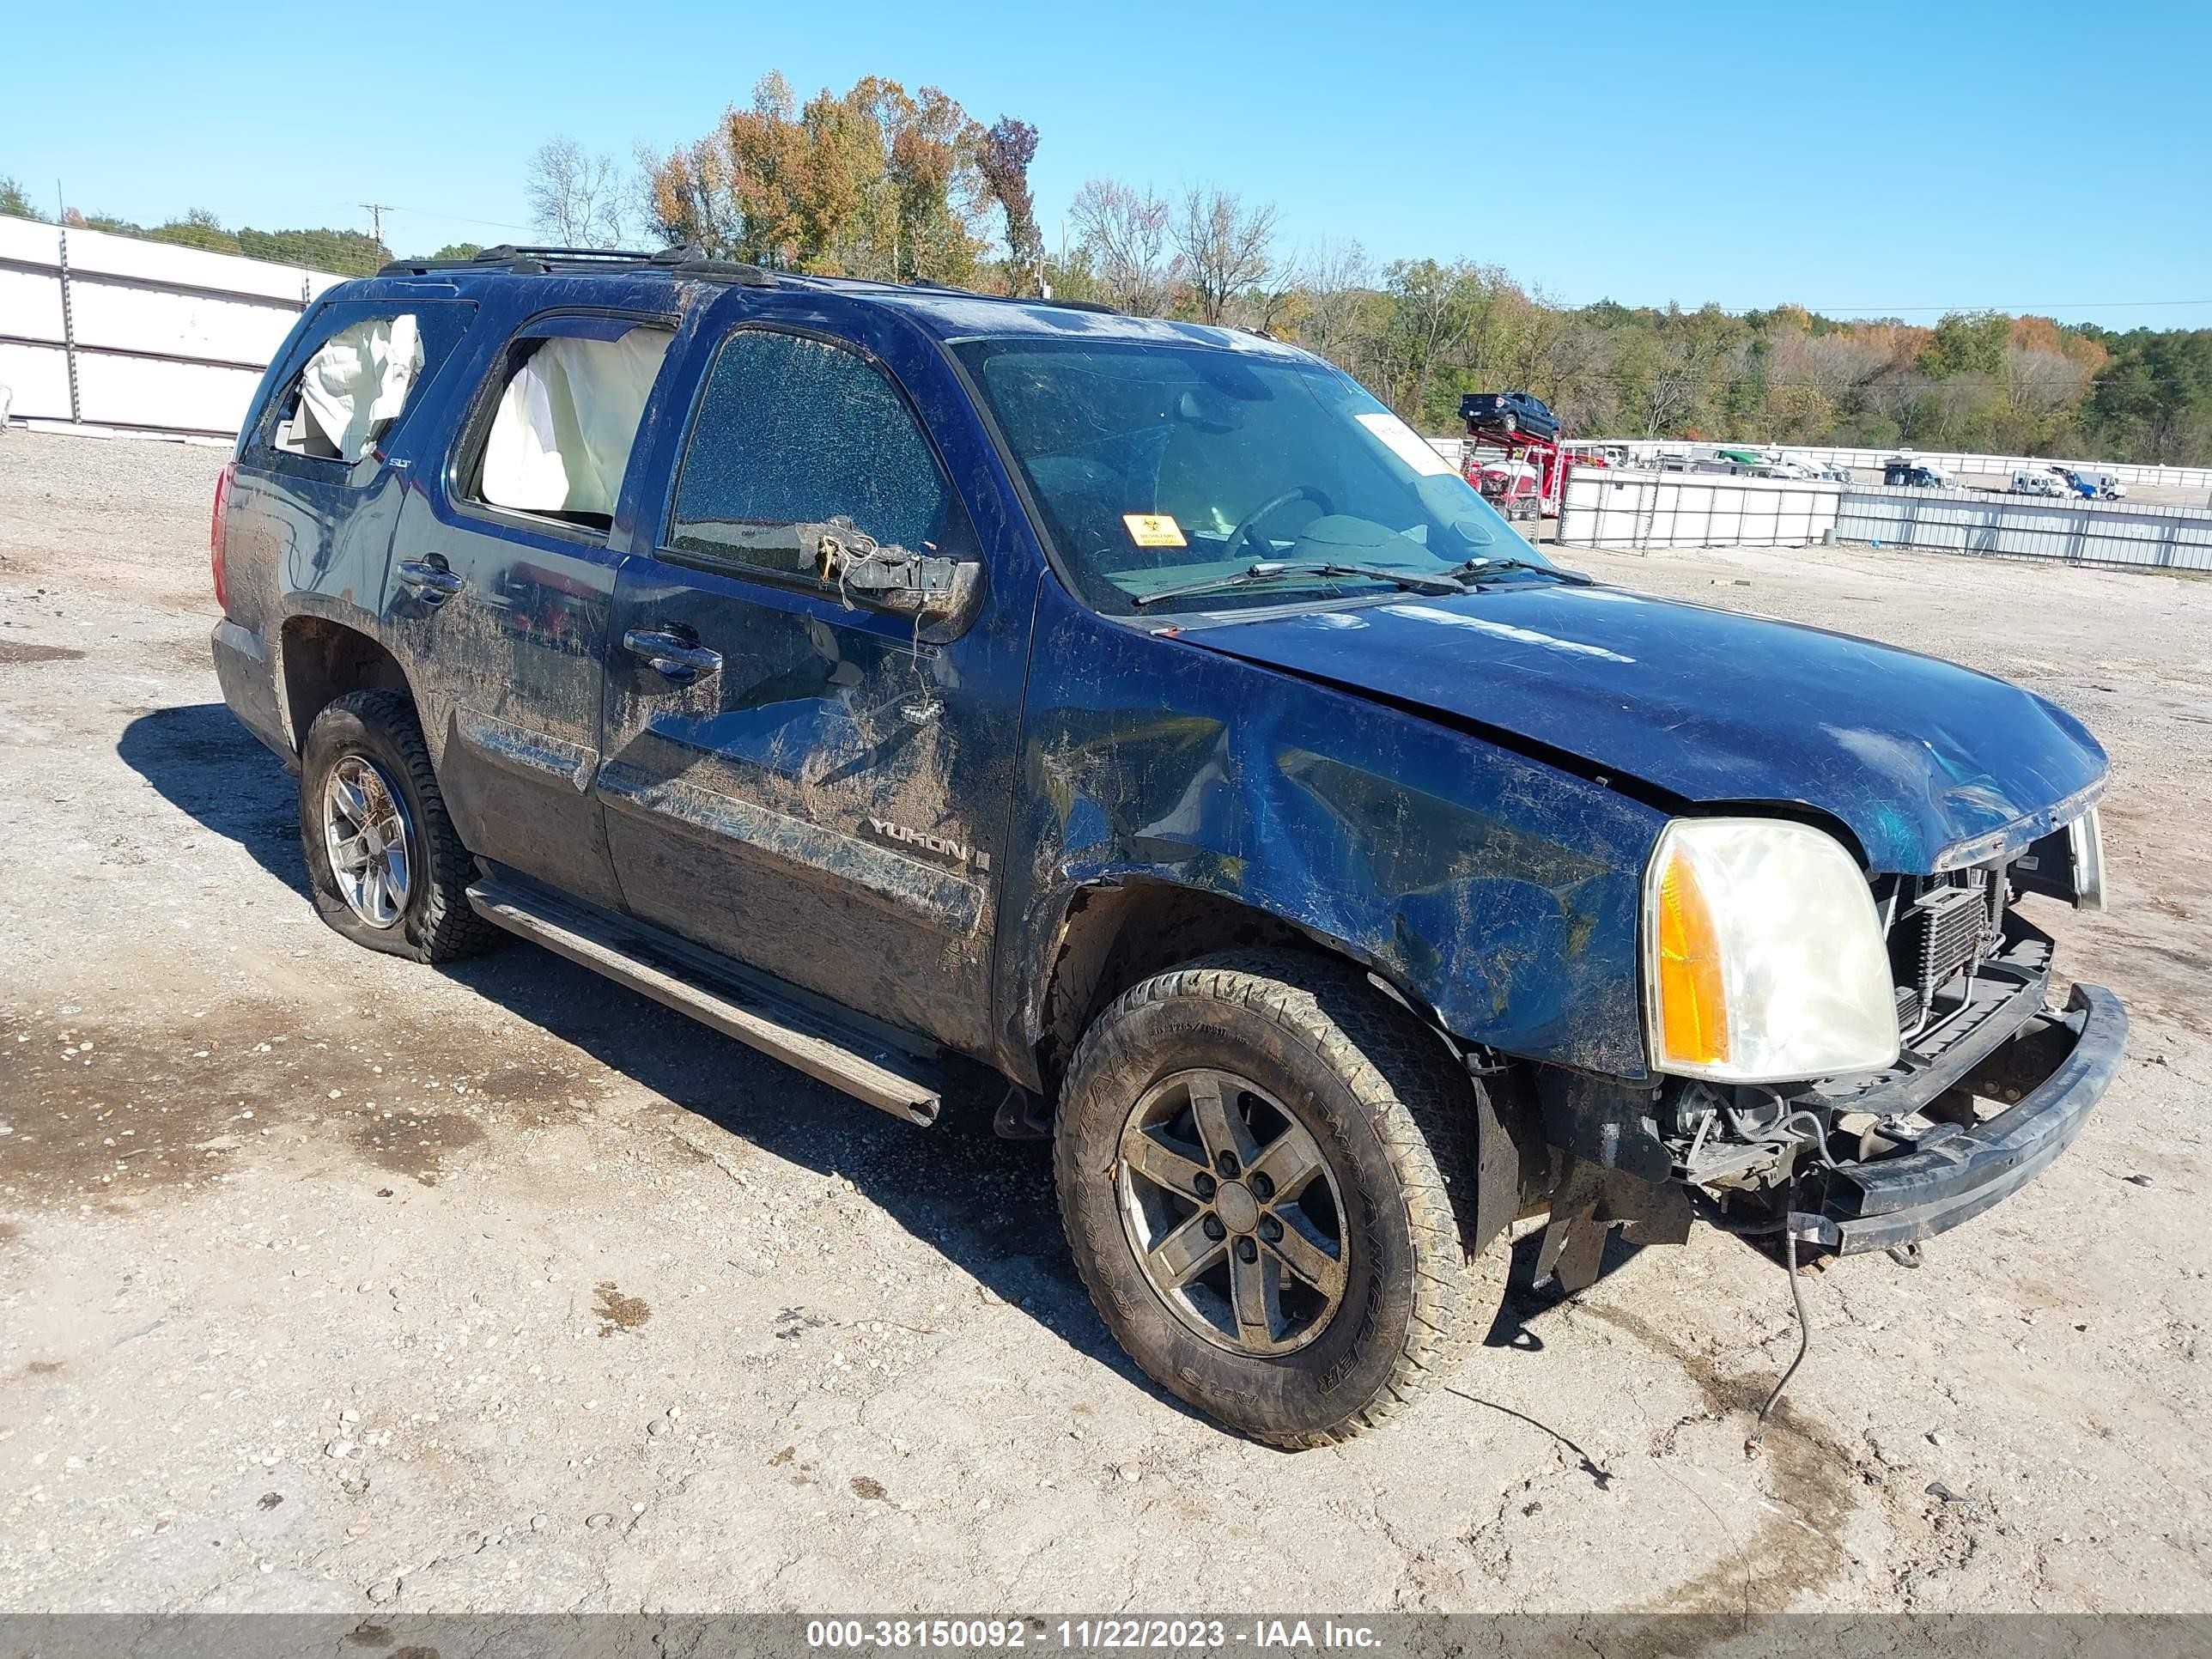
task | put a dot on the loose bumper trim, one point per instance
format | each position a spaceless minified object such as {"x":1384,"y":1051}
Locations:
{"x":249,"y":684}
{"x":1915,"y":1195}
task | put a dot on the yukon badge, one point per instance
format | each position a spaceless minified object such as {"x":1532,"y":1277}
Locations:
{"x":960,"y":852}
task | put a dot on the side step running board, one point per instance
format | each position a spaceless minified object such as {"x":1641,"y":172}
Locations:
{"x":801,"y":1038}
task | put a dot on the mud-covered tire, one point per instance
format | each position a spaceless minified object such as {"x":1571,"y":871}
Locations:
{"x":435,"y":923}
{"x":1395,"y":1117}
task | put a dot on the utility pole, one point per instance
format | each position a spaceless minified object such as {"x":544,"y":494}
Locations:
{"x":376,"y":211}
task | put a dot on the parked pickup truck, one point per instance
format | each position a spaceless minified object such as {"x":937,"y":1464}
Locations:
{"x":889,"y":674}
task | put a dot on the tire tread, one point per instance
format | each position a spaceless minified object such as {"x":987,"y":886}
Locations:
{"x":1416,"y":1101}
{"x":449,"y":928}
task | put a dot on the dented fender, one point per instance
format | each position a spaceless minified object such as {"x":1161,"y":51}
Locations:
{"x":1499,"y":889}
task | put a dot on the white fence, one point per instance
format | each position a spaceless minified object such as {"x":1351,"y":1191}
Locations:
{"x":1609,"y":507}
{"x":1645,"y":451}
{"x":112,"y":333}
{"x":1617,"y":507}
{"x":2116,"y":533}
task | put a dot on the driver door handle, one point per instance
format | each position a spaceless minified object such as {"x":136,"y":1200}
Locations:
{"x":671,"y":655}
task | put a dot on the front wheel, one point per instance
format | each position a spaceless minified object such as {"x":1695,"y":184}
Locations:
{"x":1263,"y":1167}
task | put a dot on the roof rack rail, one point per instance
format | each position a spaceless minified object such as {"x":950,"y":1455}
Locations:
{"x":506,"y":254}
{"x":688,"y":258}
{"x":507,"y":251}
{"x":692,"y":259}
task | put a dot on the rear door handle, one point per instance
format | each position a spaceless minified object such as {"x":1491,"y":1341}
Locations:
{"x":671,"y":655}
{"x":429,"y":579}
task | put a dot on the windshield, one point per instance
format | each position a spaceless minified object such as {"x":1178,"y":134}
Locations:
{"x":1157,"y":466}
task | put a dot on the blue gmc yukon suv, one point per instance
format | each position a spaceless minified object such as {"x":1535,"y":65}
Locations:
{"x":880,"y":674}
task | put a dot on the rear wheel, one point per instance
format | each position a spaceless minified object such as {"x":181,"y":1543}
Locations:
{"x":1259,"y":1158}
{"x":385,"y":866}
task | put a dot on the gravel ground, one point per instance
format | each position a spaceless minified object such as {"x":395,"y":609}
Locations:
{"x":329,"y":1282}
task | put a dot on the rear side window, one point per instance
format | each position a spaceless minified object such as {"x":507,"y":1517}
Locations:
{"x":362,"y":370}
{"x":792,"y":431}
{"x":567,"y":418}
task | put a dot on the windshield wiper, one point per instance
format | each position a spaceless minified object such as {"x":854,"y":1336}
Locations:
{"x":1268,"y":569}
{"x":1477,"y":569}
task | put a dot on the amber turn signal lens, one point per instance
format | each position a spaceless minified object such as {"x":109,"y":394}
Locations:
{"x":1693,"y":1006}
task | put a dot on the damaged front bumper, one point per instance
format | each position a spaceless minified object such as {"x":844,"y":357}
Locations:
{"x":1981,"y":1099}
{"x":2053,"y":1069}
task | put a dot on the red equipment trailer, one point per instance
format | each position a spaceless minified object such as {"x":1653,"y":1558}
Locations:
{"x":1496,"y":466}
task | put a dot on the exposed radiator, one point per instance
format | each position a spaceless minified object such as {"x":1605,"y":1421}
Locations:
{"x":1940,"y":933}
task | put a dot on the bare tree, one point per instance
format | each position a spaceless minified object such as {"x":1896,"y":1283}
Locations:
{"x":1338,"y":285}
{"x":576,"y":197}
{"x":1575,"y":371}
{"x":1437,"y":307}
{"x":2043,"y":384}
{"x":1123,"y":233}
{"x":1668,"y":391}
{"x":1270,"y":304}
{"x":1226,"y":247}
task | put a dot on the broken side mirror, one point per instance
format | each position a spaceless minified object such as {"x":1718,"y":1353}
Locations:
{"x":942,"y":594}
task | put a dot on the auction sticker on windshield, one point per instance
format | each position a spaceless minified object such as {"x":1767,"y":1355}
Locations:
{"x":1408,"y":444}
{"x":1154,"y":530}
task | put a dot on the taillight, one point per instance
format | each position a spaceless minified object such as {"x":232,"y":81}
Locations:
{"x":215,"y":528}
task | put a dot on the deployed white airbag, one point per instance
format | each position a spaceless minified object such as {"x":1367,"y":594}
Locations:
{"x":358,"y":382}
{"x":561,"y":440}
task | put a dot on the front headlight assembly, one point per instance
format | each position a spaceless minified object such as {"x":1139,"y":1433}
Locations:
{"x":1764,"y":956}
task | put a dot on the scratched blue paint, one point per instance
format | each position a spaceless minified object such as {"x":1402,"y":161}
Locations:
{"x":1915,"y":755}
{"x":1461,"y":792}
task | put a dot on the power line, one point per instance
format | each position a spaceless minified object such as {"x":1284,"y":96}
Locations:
{"x":460,"y":219}
{"x":2070,"y":305}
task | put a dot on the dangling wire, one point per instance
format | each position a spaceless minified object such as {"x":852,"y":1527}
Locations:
{"x":840,"y":558}
{"x":1804,"y":1337}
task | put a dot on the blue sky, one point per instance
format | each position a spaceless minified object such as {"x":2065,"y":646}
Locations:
{"x":1870,"y":159}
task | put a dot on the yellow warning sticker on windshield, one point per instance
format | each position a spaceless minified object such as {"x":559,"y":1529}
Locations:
{"x":1154,"y":530}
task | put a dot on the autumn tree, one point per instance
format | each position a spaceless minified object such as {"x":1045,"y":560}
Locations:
{"x":1968,"y":343}
{"x":1004,"y":157}
{"x":873,"y":182}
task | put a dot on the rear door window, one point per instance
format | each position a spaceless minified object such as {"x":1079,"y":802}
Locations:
{"x":360,"y":369}
{"x":559,"y":439}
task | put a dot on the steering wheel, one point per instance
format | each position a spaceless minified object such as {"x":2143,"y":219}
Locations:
{"x":1245,"y":524}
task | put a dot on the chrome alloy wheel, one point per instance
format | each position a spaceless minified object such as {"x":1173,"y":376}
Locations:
{"x":370,"y":839}
{"x":1233,"y":1214}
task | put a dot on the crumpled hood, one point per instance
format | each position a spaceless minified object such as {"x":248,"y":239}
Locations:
{"x":1929,"y":765}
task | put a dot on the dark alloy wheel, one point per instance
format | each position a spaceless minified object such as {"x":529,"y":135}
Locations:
{"x":1267,"y":1169}
{"x":1232,"y":1212}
